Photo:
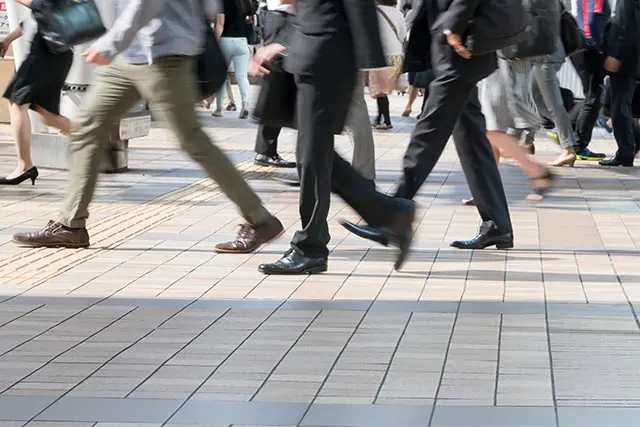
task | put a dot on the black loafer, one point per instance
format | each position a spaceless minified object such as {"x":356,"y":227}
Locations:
{"x":366,"y":232}
{"x":291,"y":180}
{"x":489,"y":235}
{"x":273,"y":161}
{"x":614,"y":161}
{"x":293,"y":263}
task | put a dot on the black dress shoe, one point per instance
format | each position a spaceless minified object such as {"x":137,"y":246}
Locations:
{"x":367,"y":232}
{"x":273,"y":161}
{"x":398,"y":234}
{"x":294,"y":263}
{"x":615,"y":161}
{"x":291,"y":180}
{"x":489,"y":236}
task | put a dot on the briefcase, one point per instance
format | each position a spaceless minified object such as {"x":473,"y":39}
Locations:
{"x":276,"y":104}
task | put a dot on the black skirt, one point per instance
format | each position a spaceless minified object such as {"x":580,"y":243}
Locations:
{"x":40,"y":78}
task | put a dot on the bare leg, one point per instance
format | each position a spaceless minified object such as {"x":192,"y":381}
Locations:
{"x":230,"y":92}
{"x":510,"y":146}
{"x":57,"y":121}
{"x":21,"y":128}
{"x":413,"y":94}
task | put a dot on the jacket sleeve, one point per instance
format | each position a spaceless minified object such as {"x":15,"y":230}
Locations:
{"x":623,"y":32}
{"x":457,"y":16}
{"x":133,"y":18}
{"x":363,"y":23}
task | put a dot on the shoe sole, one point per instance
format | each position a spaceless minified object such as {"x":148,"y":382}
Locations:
{"x":499,"y":246}
{"x":52,"y":245}
{"x":270,"y":165}
{"x":590,"y":159}
{"x":247,"y":251}
{"x":314,"y":270}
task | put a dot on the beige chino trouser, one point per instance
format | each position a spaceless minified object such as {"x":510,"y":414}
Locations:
{"x":169,"y":85}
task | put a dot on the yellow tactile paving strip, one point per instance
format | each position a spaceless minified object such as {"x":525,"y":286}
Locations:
{"x":124,"y":222}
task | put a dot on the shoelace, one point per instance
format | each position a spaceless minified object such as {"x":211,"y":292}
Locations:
{"x":245,"y":232}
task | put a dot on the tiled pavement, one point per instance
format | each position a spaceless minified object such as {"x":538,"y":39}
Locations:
{"x":149,"y":326}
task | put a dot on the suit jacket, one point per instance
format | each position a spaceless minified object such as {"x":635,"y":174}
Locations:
{"x":428,"y":48}
{"x":334,"y":37}
{"x":622,"y":36}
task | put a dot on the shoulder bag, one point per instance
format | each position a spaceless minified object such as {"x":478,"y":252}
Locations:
{"x":395,"y":61}
{"x":212,"y":67}
{"x":67,"y":23}
{"x":543,"y":17}
{"x":496,"y":24}
{"x":573,"y":38}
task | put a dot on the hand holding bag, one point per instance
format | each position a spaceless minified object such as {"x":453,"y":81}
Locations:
{"x":67,"y":23}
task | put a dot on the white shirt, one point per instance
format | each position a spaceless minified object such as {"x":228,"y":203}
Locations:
{"x":391,"y":44}
{"x":276,"y":5}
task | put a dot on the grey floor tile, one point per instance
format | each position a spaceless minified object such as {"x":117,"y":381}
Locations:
{"x":199,"y":411}
{"x":598,"y":417}
{"x":329,"y":415}
{"x":15,"y":408}
{"x":111,"y":410}
{"x":416,"y":306}
{"x":492,"y":416}
{"x":354,"y":305}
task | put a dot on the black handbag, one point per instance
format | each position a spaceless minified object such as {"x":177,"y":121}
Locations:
{"x":212,"y":67}
{"x":67,"y":23}
{"x":573,"y":38}
{"x":276,"y":104}
{"x":495,"y":25}
{"x":253,"y":35}
{"x":543,"y":30}
{"x":424,"y":79}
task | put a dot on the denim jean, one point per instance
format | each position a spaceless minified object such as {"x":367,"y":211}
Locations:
{"x":236,"y":51}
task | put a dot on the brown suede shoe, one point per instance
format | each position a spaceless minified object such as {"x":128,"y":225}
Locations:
{"x":252,"y":237}
{"x":54,"y":235}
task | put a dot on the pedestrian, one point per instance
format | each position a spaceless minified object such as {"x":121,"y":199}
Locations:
{"x":622,"y":53}
{"x":393,"y":33}
{"x":277,"y":23}
{"x":37,"y":85}
{"x":332,"y":40}
{"x":592,"y":17}
{"x":231,"y":29}
{"x":159,"y":68}
{"x":452,"y":107}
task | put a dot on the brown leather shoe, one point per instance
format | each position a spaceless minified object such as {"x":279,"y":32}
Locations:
{"x":251,"y":237}
{"x":54,"y":235}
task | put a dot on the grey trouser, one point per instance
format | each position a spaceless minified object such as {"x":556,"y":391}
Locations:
{"x":170,"y":88}
{"x":358,"y":128}
{"x":546,"y":89}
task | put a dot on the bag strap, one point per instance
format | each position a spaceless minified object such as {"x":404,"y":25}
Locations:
{"x":393,"y":27}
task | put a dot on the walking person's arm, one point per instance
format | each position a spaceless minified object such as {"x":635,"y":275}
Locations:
{"x":13,"y":36}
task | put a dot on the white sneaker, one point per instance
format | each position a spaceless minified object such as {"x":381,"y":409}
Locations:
{"x":217,"y":112}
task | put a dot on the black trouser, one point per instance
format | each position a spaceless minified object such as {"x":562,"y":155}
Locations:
{"x":322,"y":106}
{"x":622,"y":90}
{"x":452,"y":108}
{"x":590,"y":67}
{"x":275,"y":23}
{"x":383,"y":110}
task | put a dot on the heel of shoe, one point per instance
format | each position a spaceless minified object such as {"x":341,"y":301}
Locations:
{"x":33,"y":180}
{"x":505,"y":245}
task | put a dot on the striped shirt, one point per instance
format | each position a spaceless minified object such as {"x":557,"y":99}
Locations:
{"x":592,"y":16}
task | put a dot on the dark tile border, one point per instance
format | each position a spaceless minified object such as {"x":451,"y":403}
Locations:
{"x":15,"y":408}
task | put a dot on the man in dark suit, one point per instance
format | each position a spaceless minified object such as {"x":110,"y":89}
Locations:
{"x":277,"y":23}
{"x":452,"y":108}
{"x":332,"y":40}
{"x":622,"y":50}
